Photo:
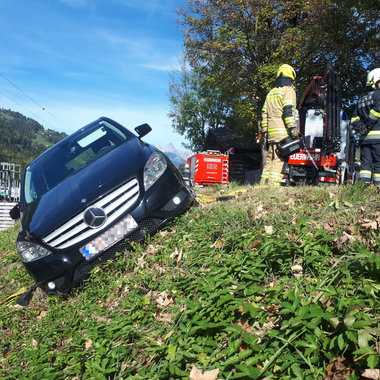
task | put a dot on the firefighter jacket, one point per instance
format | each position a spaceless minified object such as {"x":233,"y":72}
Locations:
{"x":366,"y":118}
{"x":278,"y":113}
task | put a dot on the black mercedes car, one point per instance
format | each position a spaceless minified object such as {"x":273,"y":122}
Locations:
{"x":88,"y":197}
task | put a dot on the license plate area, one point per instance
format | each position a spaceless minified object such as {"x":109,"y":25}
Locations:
{"x":108,"y":238}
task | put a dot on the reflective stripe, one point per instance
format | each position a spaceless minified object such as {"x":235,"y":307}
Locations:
{"x":276,"y":176}
{"x":265,"y":175}
{"x":355,"y":118}
{"x":275,"y":131}
{"x":275,"y":96}
{"x":377,"y":175}
{"x":373,"y":133}
{"x":264,"y":123}
{"x":287,"y":103}
{"x":264,"y":108}
{"x":365,"y":174}
{"x":290,"y":119}
{"x":374,"y":113}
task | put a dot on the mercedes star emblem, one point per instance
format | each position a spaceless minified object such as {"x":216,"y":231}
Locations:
{"x":94,"y":217}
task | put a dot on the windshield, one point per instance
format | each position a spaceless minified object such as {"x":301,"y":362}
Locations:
{"x":72,"y":154}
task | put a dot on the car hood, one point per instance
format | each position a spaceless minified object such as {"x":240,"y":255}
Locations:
{"x":86,"y":186}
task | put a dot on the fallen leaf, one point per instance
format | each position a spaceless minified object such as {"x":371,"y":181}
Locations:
{"x":152,"y":249}
{"x":272,"y":308}
{"x":196,"y":374}
{"x":260,"y":212}
{"x":177,"y":255}
{"x":245,"y":327}
{"x":253,"y":245}
{"x":88,"y":344}
{"x":162,"y":299}
{"x":158,"y":341}
{"x":327,"y":227}
{"x":100,"y":318}
{"x":261,"y":330}
{"x":371,"y":225}
{"x":371,"y":374}
{"x":218,"y":244}
{"x":34,"y":344}
{"x":42,"y":314}
{"x":166,"y":317}
{"x":343,"y":240}
{"x":337,"y":370}
{"x":141,"y":260}
{"x":268,"y":230}
{"x":297,"y":270}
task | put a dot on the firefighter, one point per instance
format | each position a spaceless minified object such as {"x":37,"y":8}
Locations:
{"x":365,"y":123}
{"x":278,"y":122}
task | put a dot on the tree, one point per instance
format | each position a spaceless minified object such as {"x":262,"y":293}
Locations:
{"x":238,"y":46}
{"x":195,"y":105}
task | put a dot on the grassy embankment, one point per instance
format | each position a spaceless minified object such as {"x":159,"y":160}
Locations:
{"x":277,"y":284}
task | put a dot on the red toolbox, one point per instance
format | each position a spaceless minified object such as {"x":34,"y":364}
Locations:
{"x":208,"y":168}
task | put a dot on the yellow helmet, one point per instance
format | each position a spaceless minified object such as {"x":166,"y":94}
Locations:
{"x":286,"y":71}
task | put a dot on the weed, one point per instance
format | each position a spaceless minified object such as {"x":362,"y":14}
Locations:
{"x":279,"y":283}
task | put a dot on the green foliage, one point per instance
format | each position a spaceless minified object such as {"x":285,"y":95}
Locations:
{"x":219,"y":289}
{"x":196,"y":104}
{"x":239,"y":45}
{"x":22,"y":138}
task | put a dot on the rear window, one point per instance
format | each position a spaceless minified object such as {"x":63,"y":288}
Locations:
{"x":72,"y":154}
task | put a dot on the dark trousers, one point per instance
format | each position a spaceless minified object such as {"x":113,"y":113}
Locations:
{"x":370,"y":163}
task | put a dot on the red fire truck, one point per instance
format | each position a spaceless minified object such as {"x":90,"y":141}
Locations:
{"x":208,"y":168}
{"x":325,"y":154}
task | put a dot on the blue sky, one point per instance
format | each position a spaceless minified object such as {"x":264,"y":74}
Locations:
{"x":81,"y":59}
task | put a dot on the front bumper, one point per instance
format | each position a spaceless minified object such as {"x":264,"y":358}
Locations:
{"x":64,"y":269}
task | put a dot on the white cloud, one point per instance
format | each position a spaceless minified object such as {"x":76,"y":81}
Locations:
{"x":147,"y":52}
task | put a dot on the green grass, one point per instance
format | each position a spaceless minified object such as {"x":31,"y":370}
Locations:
{"x":280,"y":283}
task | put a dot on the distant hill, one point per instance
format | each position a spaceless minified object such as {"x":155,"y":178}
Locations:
{"x":178,"y":157}
{"x":22,"y":138}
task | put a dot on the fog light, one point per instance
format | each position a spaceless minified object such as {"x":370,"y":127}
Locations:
{"x":176,"y":200}
{"x":51,"y":285}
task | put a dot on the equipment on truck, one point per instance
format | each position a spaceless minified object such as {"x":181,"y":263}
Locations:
{"x":208,"y":168}
{"x":325,"y":154}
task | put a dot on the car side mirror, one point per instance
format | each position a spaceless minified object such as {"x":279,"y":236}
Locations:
{"x":14,"y":212}
{"x":143,"y":130}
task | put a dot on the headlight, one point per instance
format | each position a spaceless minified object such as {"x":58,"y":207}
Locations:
{"x":30,"y":251}
{"x":154,"y":169}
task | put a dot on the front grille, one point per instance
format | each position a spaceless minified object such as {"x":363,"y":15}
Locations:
{"x":85,"y":267}
{"x":114,"y":204}
{"x":146,"y":226}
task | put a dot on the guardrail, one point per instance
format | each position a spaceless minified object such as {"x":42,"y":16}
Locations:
{"x":5,"y":220}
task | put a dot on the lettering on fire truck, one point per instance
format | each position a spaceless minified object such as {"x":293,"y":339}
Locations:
{"x":305,"y":157}
{"x":207,"y":159}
